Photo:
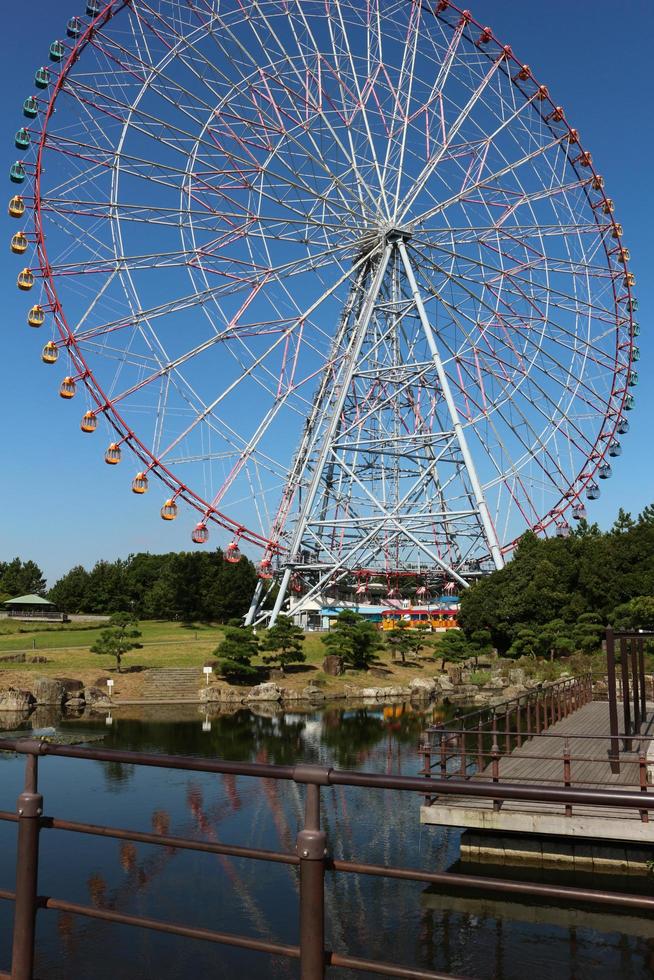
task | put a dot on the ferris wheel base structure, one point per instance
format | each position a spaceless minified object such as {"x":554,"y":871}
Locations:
{"x":384,"y":477}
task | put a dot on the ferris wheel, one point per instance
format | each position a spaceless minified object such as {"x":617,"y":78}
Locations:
{"x":339,"y":273}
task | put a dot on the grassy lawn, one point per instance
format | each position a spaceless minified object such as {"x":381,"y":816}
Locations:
{"x":165,"y":644}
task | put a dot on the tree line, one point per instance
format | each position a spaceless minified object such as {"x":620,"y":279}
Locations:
{"x":179,"y":585}
{"x":558,"y":594}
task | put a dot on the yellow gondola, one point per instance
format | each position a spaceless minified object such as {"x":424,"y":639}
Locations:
{"x":169,"y":510}
{"x":113,"y":454}
{"x":36,"y":316}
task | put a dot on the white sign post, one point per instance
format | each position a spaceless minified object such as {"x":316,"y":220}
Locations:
{"x":110,"y":685}
{"x":207,"y":673}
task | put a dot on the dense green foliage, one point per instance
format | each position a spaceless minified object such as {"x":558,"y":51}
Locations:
{"x":185,"y":585}
{"x":20,"y":578}
{"x":119,"y":638}
{"x":355,"y":639}
{"x":558,"y":594}
{"x":235,"y":653}
{"x":282,"y":644}
{"x":407,"y":641}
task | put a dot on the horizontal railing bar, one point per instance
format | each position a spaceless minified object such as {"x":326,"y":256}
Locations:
{"x":593,"y":896}
{"x":386,"y":969}
{"x":7,"y":896}
{"x":534,"y":692}
{"x":502,"y":733}
{"x":324,"y":776}
{"x":190,"y":932}
{"x":180,"y":843}
{"x":508,"y":791}
{"x":196,"y":764}
{"x":473,"y":754}
{"x":8,"y":815}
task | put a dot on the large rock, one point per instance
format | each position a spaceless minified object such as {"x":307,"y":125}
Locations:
{"x":49,"y":690}
{"x":422,"y":687}
{"x":72,"y":688}
{"x":333,"y":665}
{"x":14,"y":699}
{"x":312,"y":693}
{"x":445,"y":683}
{"x":97,"y":697}
{"x":517,"y":676}
{"x":264,"y":692}
{"x":454,"y":673}
{"x":210,"y":694}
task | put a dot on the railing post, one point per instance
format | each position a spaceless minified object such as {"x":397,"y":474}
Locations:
{"x":614,"y":745}
{"x":30,"y":811}
{"x":443,"y":754}
{"x":311,"y":850}
{"x":480,"y":746}
{"x":641,"y":675}
{"x":642,"y":771}
{"x":507,"y":729}
{"x":495,"y":763}
{"x":538,"y":727}
{"x":464,"y":760}
{"x":529,"y":732}
{"x":518,"y":723}
{"x":566,"y":774}
{"x":426,"y":768}
{"x":635,"y":683}
{"x":626,"y":704}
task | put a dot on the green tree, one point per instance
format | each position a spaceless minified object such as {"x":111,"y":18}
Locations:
{"x":236,"y":651}
{"x":587,"y":633}
{"x":69,"y":592}
{"x":355,"y":639}
{"x":528,"y":642}
{"x":19,"y":577}
{"x":282,"y":643}
{"x":119,"y":638}
{"x":556,"y":637}
{"x":637,"y":614}
{"x":453,"y":647}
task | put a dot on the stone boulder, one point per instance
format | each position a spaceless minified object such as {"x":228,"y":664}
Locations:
{"x":14,"y":699}
{"x":517,"y":676}
{"x":333,"y":665}
{"x":422,"y":687}
{"x":72,"y":688}
{"x":210,"y":694}
{"x":264,"y":692}
{"x":49,"y":690}
{"x":75,"y":704}
{"x":454,"y":674}
{"x":312,"y":693}
{"x":97,"y":697}
{"x":445,"y":683}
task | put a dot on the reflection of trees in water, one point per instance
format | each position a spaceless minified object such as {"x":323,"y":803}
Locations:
{"x":117,"y":775}
{"x":367,"y":916}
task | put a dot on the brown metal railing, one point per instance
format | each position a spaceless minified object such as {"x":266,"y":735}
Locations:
{"x":514,"y":720}
{"x":311,"y":856}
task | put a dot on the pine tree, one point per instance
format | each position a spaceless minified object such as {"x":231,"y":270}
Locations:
{"x":283,"y":644}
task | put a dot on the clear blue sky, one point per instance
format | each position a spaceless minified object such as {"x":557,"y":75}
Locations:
{"x":61,"y":505}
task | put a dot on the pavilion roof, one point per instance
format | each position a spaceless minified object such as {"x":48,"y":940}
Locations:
{"x":28,"y":600}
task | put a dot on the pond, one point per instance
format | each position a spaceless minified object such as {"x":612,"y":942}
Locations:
{"x":372,"y":917}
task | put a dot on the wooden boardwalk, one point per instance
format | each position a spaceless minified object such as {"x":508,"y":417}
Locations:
{"x":539,"y":761}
